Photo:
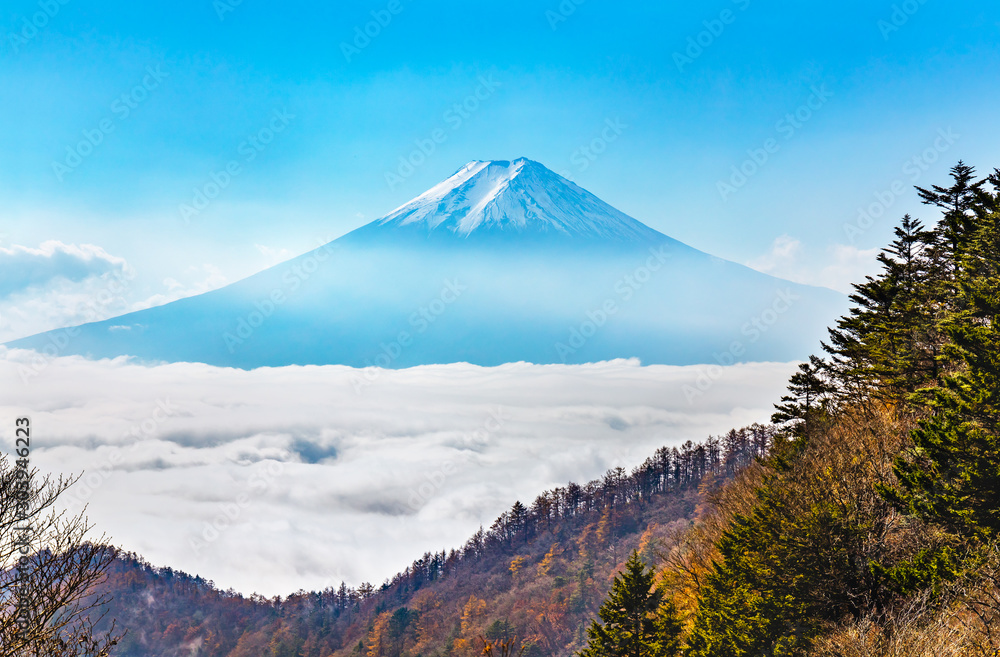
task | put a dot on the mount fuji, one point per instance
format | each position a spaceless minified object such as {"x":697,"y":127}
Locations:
{"x":500,"y":200}
{"x":501,"y":262}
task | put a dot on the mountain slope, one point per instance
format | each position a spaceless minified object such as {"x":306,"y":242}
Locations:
{"x":502,"y":262}
{"x":540,"y":572}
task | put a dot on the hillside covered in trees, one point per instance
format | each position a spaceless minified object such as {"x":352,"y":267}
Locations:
{"x":538,"y":573}
{"x":863,"y":522}
{"x":871,"y":527}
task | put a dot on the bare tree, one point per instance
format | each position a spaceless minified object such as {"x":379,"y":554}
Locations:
{"x":501,"y":648}
{"x":48,"y":572}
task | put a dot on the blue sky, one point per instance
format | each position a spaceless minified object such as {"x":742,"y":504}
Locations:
{"x":174,"y":93}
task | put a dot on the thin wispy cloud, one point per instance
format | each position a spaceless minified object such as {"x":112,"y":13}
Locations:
{"x":790,"y":259}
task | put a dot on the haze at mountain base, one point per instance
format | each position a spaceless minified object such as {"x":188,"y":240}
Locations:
{"x":502,"y":262}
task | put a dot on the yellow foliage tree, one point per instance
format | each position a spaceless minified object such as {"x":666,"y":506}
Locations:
{"x":378,"y":642}
{"x":551,"y":560}
{"x":472,"y":615}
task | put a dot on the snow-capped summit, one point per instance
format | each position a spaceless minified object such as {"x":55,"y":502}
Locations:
{"x":513,"y":198}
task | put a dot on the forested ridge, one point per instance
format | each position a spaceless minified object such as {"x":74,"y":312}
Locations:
{"x":862,"y":522}
{"x":538,"y":572}
{"x":871,"y":527}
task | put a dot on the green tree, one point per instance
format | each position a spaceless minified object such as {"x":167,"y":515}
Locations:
{"x":636,"y":621}
{"x":752,"y":600}
{"x":889,"y":344}
{"x":500,"y":630}
{"x":952,"y":474}
{"x":958,"y":203}
{"x":808,"y":403}
{"x":817,"y":547}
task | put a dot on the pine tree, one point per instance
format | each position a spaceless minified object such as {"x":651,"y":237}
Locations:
{"x":889,"y":345}
{"x":809,"y":402}
{"x":909,"y":351}
{"x":957,"y":223}
{"x":519,"y":520}
{"x":635,"y":619}
{"x":743,"y":609}
{"x":952,"y":475}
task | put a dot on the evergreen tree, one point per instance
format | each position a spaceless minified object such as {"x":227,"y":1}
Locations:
{"x":889,"y":345}
{"x":911,"y":345}
{"x":812,"y":551}
{"x":952,"y":475}
{"x":770,"y":588}
{"x":743,"y":608}
{"x":957,"y":202}
{"x":635,"y":619}
{"x":519,"y":520}
{"x":809,"y":402}
{"x":818,"y":548}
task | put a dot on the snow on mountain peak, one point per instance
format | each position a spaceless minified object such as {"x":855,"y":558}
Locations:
{"x":514,"y":198}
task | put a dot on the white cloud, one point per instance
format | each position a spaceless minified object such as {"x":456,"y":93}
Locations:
{"x":783,"y":253}
{"x":211,"y":278}
{"x":62,"y":302}
{"x":58,"y":285}
{"x":317,"y":483}
{"x":836,"y":267}
{"x":24,"y":268}
{"x":273,"y":256}
{"x":848,"y":265}
{"x":65,"y":303}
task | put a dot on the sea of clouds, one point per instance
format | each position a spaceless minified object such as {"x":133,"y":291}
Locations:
{"x":277,"y":479}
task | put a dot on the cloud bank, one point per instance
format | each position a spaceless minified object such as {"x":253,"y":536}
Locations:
{"x":283,"y":478}
{"x":23,"y":267}
{"x":59,"y":285}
